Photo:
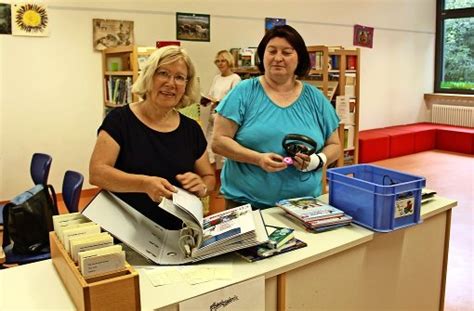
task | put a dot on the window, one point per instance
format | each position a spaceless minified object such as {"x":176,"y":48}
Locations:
{"x":454,"y":68}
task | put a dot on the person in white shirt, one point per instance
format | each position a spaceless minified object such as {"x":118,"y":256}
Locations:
{"x":221,"y":85}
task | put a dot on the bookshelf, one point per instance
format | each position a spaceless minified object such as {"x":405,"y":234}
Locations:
{"x":335,"y":71}
{"x":120,"y":69}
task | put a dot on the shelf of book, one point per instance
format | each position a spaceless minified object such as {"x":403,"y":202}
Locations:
{"x":335,"y":71}
{"x":120,"y":69}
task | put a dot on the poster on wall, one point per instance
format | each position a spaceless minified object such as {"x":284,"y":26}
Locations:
{"x":271,"y":22}
{"x":5,"y":19}
{"x":193,"y":27}
{"x":363,"y":36}
{"x":109,"y":33}
{"x":30,"y":19}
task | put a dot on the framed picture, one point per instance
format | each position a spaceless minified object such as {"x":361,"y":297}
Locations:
{"x":363,"y":36}
{"x":193,"y":27}
{"x":30,"y":19}
{"x":111,"y":33}
{"x":5,"y":19}
{"x":271,"y":22}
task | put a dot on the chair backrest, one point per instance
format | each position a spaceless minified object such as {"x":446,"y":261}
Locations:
{"x":39,"y":169}
{"x":72,"y":186}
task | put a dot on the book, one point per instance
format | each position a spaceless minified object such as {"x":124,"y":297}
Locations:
{"x":200,"y":237}
{"x":308,"y":208}
{"x":257,"y":253}
{"x":279,"y":237}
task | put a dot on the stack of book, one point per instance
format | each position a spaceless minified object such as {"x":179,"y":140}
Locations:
{"x":314,"y":215}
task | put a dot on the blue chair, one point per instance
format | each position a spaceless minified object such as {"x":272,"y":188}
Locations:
{"x":72,"y":187}
{"x":39,"y":168}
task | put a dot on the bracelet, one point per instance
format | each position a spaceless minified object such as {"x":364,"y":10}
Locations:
{"x":316,"y":162}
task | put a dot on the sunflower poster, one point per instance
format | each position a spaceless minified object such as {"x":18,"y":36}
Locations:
{"x":30,"y":19}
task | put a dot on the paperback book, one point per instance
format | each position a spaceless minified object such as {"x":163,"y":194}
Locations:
{"x":200,"y":237}
{"x":315,"y":216}
{"x":308,"y":208}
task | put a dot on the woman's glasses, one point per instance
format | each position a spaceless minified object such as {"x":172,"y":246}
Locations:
{"x":164,"y":75}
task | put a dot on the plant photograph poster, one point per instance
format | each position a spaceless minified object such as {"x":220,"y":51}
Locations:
{"x":111,"y":33}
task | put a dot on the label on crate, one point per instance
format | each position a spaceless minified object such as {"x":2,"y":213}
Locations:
{"x":404,"y":205}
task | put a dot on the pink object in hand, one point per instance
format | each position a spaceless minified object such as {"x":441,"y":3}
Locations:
{"x":288,"y":160}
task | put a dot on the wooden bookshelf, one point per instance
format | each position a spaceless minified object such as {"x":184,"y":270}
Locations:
{"x":335,"y":71}
{"x":121,"y":64}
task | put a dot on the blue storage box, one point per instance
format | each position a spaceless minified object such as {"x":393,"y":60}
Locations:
{"x":377,"y":198}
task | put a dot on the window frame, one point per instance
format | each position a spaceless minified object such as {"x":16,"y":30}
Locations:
{"x":441,"y":16}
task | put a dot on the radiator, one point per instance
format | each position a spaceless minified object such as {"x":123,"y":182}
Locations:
{"x":453,"y":115}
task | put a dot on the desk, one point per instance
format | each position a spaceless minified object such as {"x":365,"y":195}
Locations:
{"x":350,"y":268}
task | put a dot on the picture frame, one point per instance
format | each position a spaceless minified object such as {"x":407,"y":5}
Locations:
{"x":271,"y":22}
{"x":363,"y":36}
{"x":193,"y":27}
{"x":29,"y":19}
{"x":111,"y":33}
{"x":5,"y":19}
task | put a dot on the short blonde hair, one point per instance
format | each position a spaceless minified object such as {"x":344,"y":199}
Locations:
{"x":227,"y":56}
{"x":164,"y":56}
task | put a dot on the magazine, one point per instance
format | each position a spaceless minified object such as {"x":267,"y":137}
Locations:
{"x":200,"y":238}
{"x":308,"y":209}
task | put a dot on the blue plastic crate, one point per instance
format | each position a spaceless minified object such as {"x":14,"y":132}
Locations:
{"x":377,"y":198}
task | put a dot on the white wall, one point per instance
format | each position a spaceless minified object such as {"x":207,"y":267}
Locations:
{"x":50,"y":88}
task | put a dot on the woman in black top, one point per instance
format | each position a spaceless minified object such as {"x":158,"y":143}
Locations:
{"x":146,"y":148}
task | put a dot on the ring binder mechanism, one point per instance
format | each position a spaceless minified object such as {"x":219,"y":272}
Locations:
{"x":198,"y":239}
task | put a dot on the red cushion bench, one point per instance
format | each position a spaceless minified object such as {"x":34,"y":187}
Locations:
{"x":395,"y":141}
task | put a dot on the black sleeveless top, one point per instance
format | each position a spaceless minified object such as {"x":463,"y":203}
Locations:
{"x":149,"y":152}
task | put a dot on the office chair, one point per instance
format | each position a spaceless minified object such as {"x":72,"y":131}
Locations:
{"x":72,"y":187}
{"x":39,"y":168}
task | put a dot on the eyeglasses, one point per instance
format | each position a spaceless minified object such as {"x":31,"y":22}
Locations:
{"x":164,"y":75}
{"x":217,"y":61}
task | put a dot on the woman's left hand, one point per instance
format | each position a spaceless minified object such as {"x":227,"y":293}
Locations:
{"x":301,"y":161}
{"x":193,"y":183}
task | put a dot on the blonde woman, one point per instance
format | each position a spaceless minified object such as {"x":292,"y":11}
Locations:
{"x":145,"y":149}
{"x":221,"y":85}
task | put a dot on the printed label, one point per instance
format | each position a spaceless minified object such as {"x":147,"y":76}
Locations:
{"x":405,"y":205}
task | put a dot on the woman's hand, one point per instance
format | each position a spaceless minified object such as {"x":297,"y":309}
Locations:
{"x":301,"y":161}
{"x":157,"y":188}
{"x":193,"y":183}
{"x":271,"y":162}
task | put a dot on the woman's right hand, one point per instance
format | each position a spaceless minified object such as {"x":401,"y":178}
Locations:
{"x":157,"y":188}
{"x":271,"y":162}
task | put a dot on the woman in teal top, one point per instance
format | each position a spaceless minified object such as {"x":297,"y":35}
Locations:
{"x":258,"y":113}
